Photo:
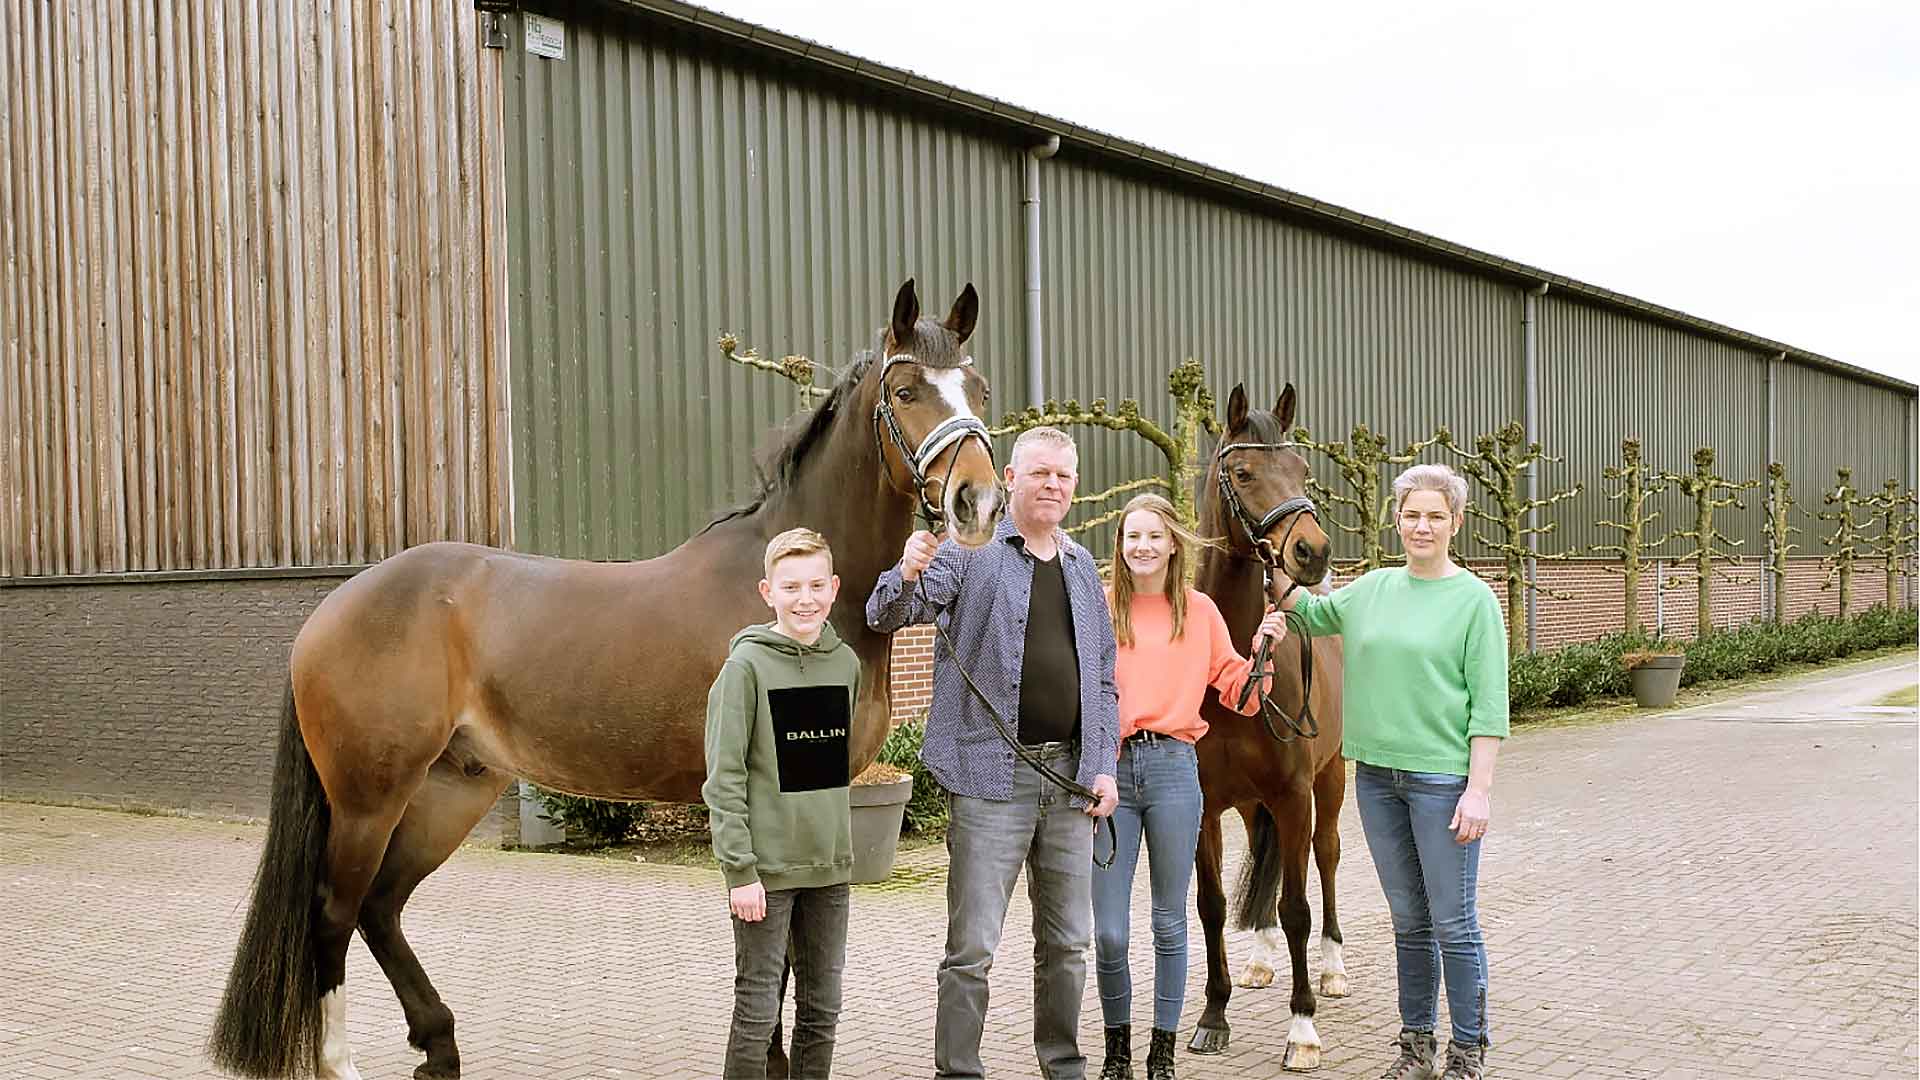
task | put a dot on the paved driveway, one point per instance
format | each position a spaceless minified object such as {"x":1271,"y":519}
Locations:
{"x":1726,"y":891}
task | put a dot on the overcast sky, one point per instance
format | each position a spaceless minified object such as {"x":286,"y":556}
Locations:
{"x":1754,"y":164}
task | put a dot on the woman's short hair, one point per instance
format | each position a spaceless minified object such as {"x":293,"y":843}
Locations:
{"x":1438,"y":478}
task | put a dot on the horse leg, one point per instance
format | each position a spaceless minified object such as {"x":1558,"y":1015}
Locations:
{"x":439,"y":816}
{"x":356,"y":845}
{"x":1329,"y":791}
{"x":1210,"y":1035}
{"x":1293,"y":820}
{"x":1264,"y":962}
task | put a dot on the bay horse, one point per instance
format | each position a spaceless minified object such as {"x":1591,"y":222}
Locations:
{"x":1288,"y":793}
{"x":421,"y":687}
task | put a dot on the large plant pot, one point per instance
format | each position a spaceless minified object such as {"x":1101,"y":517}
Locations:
{"x":878,"y":810}
{"x":1656,"y":680}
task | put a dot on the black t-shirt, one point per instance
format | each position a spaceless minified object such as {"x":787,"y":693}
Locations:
{"x":1050,"y":666}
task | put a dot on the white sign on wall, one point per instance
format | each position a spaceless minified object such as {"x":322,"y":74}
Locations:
{"x":546,"y":37}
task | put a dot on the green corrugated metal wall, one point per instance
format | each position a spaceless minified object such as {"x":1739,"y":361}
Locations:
{"x":659,"y":194}
{"x":1604,"y":376}
{"x":1824,"y":423}
{"x":661,"y":191}
{"x":1140,"y":276}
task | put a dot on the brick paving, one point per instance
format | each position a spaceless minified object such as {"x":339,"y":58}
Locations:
{"x":1724,"y":891}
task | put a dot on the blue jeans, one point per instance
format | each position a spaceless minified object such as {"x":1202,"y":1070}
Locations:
{"x":988,"y":842}
{"x":1160,"y":797}
{"x":1430,"y":880}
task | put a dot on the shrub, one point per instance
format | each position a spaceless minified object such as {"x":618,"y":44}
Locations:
{"x":927,"y":809}
{"x":595,"y":821}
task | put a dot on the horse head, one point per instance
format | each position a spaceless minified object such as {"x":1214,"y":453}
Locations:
{"x":927,"y":410}
{"x":1261,"y":480}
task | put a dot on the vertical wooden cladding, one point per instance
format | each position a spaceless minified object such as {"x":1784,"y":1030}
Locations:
{"x":252,"y":308}
{"x":1139,"y":276}
{"x":663,"y":191}
{"x":1605,"y":376}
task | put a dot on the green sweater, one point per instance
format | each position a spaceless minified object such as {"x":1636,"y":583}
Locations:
{"x":1426,"y":667}
{"x":778,"y":718}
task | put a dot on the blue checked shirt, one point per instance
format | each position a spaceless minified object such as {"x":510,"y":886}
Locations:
{"x":981,"y":596}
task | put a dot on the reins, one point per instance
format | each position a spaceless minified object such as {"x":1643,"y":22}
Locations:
{"x":1302,"y":725}
{"x":949,"y":433}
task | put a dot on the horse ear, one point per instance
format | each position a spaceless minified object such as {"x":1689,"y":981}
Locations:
{"x":1283,"y":410}
{"x":1237,"y":407}
{"x":966,"y":312}
{"x":906,"y":312}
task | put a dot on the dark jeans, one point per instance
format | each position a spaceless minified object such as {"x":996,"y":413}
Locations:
{"x":1160,"y":799}
{"x":816,"y":921}
{"x":987,"y":844}
{"x":1430,"y":880}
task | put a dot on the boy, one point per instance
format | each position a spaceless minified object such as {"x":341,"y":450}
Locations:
{"x":777,"y":724}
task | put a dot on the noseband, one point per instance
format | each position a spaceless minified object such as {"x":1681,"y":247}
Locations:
{"x":1296,"y":508}
{"x":948,"y":433}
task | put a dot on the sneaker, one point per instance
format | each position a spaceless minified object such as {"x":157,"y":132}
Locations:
{"x":1416,"y":1057}
{"x":1465,"y":1062}
{"x":1119,"y":1064}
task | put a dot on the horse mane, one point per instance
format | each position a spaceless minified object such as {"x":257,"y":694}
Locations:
{"x":779,"y":469}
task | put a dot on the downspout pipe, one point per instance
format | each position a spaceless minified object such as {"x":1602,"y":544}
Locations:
{"x":1036,"y":386}
{"x":1530,"y":345}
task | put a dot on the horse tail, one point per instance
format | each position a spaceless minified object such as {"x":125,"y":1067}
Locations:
{"x":269,"y":1024}
{"x":1258,"y":894}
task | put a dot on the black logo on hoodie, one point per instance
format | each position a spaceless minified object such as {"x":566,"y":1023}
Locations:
{"x":810,"y":736}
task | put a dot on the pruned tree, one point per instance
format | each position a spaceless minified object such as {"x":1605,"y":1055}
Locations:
{"x":1845,"y":541}
{"x":1499,"y":463}
{"x":1637,"y":483}
{"x":796,"y":369}
{"x":1709,"y":492}
{"x":1779,"y":529}
{"x":1897,"y":528}
{"x":1362,"y":459}
{"x":1193,"y":412}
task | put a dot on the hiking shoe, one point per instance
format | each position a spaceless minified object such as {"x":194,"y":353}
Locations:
{"x":1465,"y":1062}
{"x":1416,"y":1057}
{"x":1119,"y":1065}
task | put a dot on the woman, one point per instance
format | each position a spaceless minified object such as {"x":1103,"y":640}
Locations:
{"x":1425,"y":709}
{"x":1173,"y":644}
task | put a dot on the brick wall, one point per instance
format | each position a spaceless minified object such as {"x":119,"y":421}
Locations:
{"x":166,"y":695}
{"x":162,"y":695}
{"x":1593,"y":609}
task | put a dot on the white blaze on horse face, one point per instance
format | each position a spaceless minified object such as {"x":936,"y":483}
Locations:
{"x":952,"y":385}
{"x":336,"y":1057}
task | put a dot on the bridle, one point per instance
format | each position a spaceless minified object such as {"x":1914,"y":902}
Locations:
{"x":951,"y":432}
{"x":1292,"y":510}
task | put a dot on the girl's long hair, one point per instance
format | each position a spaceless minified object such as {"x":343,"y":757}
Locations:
{"x":1185,"y":544}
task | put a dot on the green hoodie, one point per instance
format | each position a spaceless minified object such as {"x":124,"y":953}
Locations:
{"x":778,"y":718}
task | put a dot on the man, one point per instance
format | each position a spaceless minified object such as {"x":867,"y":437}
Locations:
{"x":1028,"y":619}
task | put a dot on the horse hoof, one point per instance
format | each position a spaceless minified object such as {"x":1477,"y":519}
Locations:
{"x":1256,"y":976}
{"x":1209,"y":1040}
{"x":1333,"y":984}
{"x":1300,"y":1058}
{"x":433,"y":1071}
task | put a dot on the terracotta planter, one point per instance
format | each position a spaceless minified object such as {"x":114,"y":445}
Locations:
{"x":1656,"y":680}
{"x":878,"y":810}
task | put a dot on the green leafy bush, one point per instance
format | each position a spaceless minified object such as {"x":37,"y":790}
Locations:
{"x":1574,"y":674}
{"x":927,"y":809}
{"x":594,"y":821}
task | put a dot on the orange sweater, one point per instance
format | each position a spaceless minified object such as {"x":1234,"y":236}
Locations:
{"x":1163,"y":682}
